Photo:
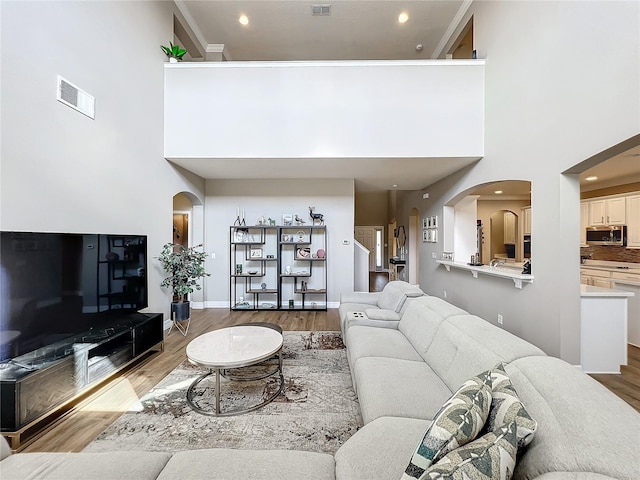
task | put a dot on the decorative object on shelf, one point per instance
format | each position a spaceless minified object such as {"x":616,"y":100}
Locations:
{"x":448,"y":256}
{"x":272,"y":222}
{"x":174,"y":52}
{"x":263,"y":286}
{"x":185,"y":267}
{"x":241,"y":235}
{"x":299,"y":221}
{"x":255,"y":253}
{"x":112,"y":256}
{"x":526,"y":268}
{"x":238,"y":269}
{"x":239,"y":217}
{"x":303,"y":253}
{"x":252,"y":272}
{"x":271,"y":257}
{"x":320,"y":253}
{"x":287,"y":270}
{"x":301,"y":236}
{"x":304,"y":286}
{"x":261,"y":221}
{"x":287,"y":219}
{"x":316,"y":216}
{"x":290,"y":303}
{"x":286,"y":238}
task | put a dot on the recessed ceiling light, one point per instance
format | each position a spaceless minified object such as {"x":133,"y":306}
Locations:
{"x":395,"y":185}
{"x":591,"y":178}
{"x":403,"y":17}
{"x":244,"y":20}
{"x":498,"y":192}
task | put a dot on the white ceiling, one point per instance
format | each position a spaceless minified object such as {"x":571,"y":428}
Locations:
{"x":355,"y":30}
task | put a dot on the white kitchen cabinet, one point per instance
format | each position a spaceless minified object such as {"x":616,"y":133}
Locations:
{"x":526,"y":213}
{"x":633,"y":221}
{"x":509,"y":228}
{"x":607,"y":211}
{"x":584,"y":222}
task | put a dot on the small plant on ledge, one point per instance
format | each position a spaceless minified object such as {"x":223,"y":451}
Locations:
{"x":174,"y":52}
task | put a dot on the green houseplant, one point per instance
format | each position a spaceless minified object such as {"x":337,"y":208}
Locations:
{"x":185,"y":267}
{"x":173,"y":51}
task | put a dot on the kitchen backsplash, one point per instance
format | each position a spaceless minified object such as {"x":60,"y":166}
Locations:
{"x":611,"y":254}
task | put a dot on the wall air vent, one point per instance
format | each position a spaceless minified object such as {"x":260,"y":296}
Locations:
{"x":77,"y":99}
{"x":323,"y":10}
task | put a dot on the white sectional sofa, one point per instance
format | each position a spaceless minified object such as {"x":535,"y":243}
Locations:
{"x":403,"y":374}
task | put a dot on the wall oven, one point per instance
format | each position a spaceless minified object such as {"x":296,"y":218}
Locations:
{"x":615,"y":235}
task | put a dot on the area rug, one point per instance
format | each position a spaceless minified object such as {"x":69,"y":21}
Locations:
{"x":317,"y":411}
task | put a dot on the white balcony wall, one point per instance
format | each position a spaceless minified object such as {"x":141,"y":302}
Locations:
{"x":432,"y":108}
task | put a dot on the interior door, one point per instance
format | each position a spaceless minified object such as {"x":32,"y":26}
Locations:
{"x":366,"y":235}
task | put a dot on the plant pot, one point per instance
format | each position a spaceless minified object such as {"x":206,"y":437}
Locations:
{"x":180,"y":311}
{"x":173,"y":60}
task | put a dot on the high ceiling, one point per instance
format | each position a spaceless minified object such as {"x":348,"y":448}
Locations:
{"x":354,"y":30}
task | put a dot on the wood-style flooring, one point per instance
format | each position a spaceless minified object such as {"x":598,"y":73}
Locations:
{"x":106,"y":403}
{"x":627,"y":384}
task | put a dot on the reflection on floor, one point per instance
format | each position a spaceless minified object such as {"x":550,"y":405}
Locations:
{"x":377,"y":281}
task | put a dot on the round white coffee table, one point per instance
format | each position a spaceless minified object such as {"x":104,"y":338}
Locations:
{"x":234,"y":347}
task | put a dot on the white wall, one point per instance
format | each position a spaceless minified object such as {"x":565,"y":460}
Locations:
{"x":562,"y":84}
{"x":271,"y":198}
{"x":63,"y":172}
{"x":324,"y":109}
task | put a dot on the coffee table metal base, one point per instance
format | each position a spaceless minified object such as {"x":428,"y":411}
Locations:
{"x":217,"y":372}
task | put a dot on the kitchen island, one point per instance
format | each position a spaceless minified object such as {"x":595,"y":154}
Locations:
{"x":603,"y":329}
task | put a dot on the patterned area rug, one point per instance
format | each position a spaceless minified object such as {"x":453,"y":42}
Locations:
{"x":317,"y":411}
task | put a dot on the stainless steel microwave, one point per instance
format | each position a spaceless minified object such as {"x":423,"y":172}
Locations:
{"x":615,"y":235}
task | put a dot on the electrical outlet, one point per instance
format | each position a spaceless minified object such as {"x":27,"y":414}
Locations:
{"x":434,"y":255}
{"x":500,"y":320}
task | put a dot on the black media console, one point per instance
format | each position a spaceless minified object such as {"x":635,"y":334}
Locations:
{"x":34,"y":385}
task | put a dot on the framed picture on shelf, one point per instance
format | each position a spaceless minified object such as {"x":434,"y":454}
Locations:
{"x":255,"y":253}
{"x":240,"y":235}
{"x":287,"y":219}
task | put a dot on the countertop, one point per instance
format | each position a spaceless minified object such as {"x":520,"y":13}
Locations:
{"x":591,"y":291}
{"x":611,"y":266}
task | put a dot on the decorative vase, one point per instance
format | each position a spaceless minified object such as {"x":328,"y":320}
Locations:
{"x":180,"y":310}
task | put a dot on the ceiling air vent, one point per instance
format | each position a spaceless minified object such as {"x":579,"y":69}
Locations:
{"x":323,"y":10}
{"x":77,"y":99}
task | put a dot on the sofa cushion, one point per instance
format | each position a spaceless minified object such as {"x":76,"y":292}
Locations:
{"x":506,"y":407}
{"x":380,"y":449}
{"x":582,"y":427}
{"x":490,"y":457}
{"x":458,"y":422}
{"x":395,"y":293}
{"x":397,"y":388}
{"x":83,"y":466}
{"x":366,"y":341}
{"x":466,"y":344}
{"x":227,"y":464}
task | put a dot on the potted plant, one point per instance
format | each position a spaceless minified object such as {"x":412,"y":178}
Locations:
{"x":174,"y":52}
{"x":185,"y":267}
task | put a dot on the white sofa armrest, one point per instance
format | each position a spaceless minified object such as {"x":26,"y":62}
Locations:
{"x":370,"y":298}
{"x":382,"y":314}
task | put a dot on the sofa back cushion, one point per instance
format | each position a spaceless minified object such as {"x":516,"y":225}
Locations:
{"x":395,"y":293}
{"x":466,"y":344}
{"x":582,"y":427}
{"x":422,"y":318}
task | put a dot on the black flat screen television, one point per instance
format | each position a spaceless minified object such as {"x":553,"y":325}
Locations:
{"x":53,"y":285}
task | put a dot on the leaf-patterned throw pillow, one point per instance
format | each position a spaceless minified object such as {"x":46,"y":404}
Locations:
{"x":490,"y":457}
{"x":458,"y":422}
{"x":506,"y":407}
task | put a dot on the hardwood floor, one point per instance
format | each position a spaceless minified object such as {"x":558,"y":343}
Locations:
{"x":106,"y":403}
{"x":627,"y":384}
